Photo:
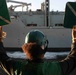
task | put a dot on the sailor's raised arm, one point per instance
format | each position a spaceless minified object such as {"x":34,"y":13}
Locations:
{"x":3,"y":55}
{"x":69,"y":63}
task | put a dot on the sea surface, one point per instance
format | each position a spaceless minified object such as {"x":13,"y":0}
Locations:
{"x":48,"y":55}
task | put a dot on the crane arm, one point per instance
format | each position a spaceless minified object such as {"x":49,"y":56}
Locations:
{"x":19,"y":2}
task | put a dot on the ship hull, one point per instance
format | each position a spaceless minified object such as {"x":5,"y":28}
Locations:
{"x":58,"y":37}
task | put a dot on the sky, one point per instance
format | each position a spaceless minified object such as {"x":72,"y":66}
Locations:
{"x":55,"y":5}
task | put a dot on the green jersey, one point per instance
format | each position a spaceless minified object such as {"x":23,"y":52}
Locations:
{"x":44,"y":68}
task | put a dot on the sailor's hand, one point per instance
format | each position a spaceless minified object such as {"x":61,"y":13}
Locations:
{"x":74,"y":34}
{"x":0,"y":33}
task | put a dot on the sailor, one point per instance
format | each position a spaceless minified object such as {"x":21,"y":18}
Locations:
{"x":35,"y":47}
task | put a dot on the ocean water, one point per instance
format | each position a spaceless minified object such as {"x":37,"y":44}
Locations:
{"x":48,"y":55}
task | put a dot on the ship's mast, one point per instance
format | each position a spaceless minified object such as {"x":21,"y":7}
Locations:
{"x":47,"y":13}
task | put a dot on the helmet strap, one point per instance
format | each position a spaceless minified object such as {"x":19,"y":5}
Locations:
{"x":46,"y":47}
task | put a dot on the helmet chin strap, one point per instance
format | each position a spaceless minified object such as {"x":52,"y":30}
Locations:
{"x":46,"y":47}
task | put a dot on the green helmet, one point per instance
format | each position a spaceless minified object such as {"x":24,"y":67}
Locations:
{"x":37,"y":37}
